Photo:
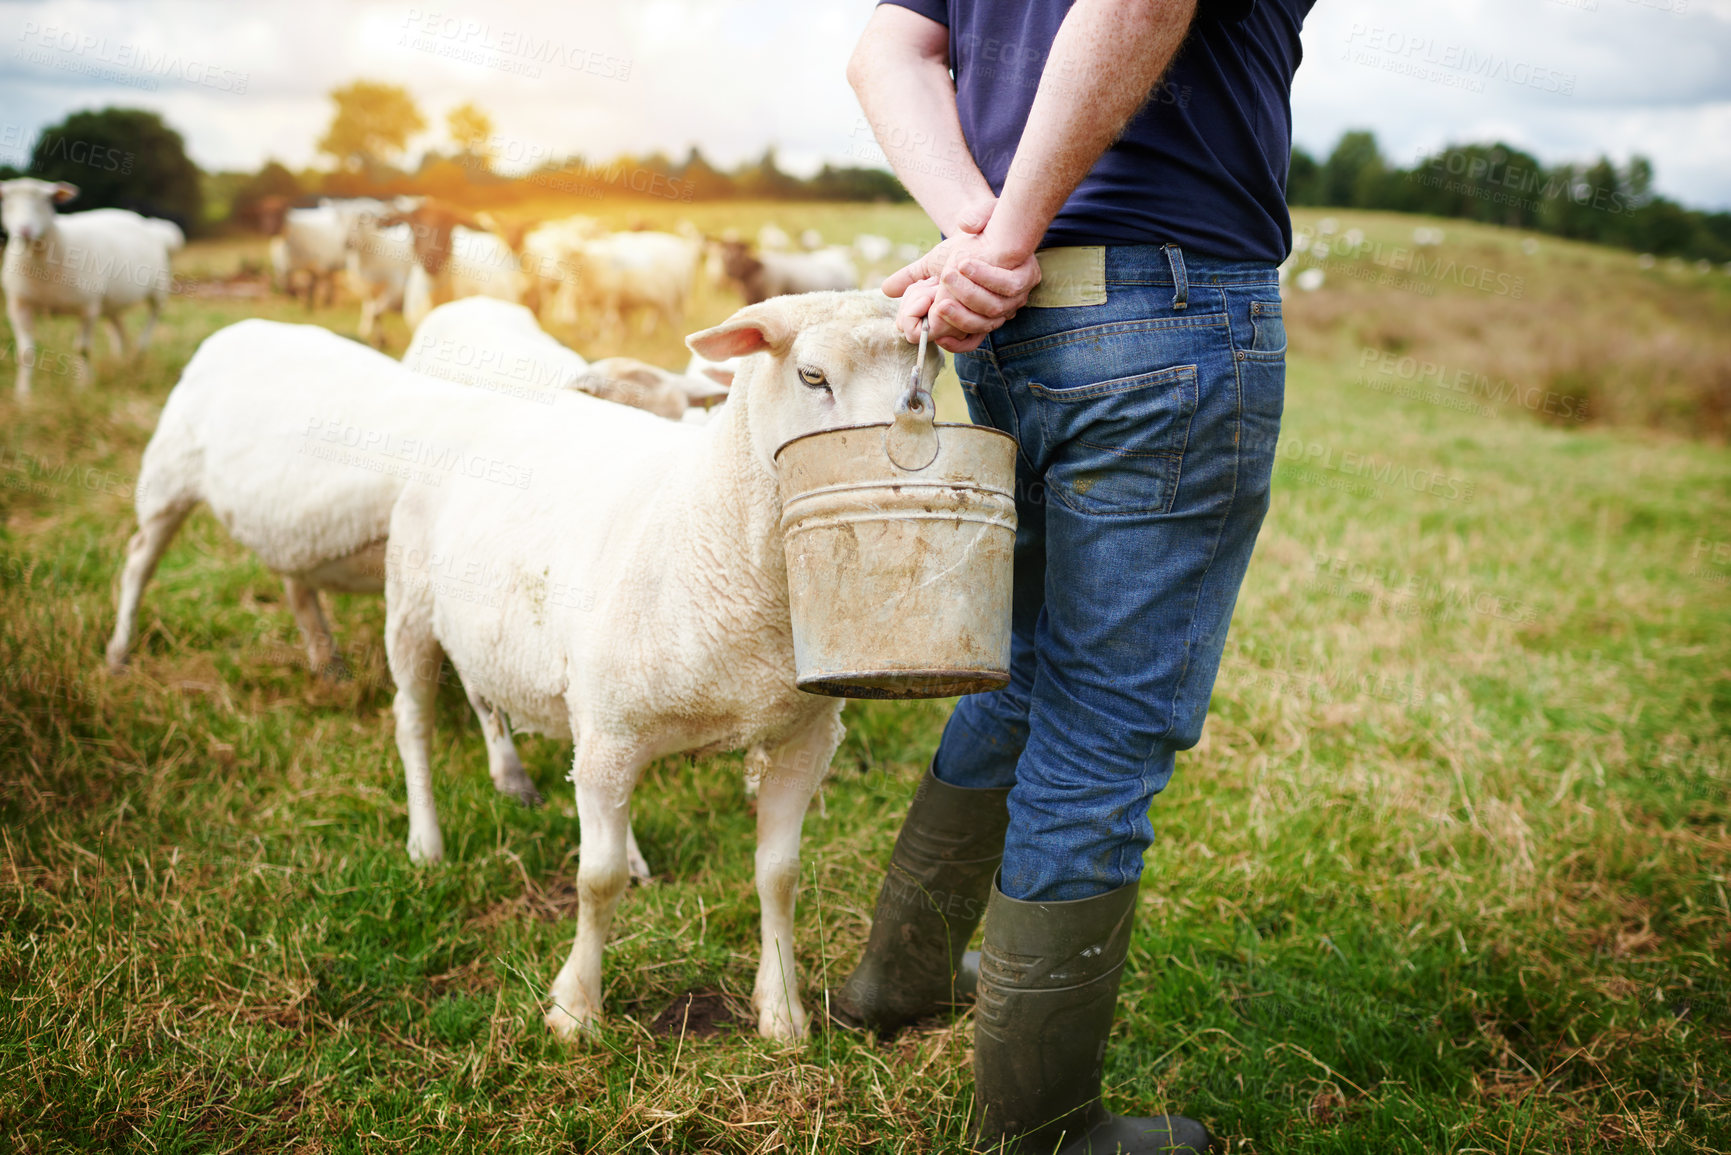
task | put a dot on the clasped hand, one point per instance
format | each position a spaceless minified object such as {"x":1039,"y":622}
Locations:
{"x":969,"y":285}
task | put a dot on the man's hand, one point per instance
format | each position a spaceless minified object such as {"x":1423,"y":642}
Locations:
{"x":968,"y":285}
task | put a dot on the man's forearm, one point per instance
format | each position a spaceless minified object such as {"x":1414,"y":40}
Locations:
{"x":1105,"y":60}
{"x":904,"y":86}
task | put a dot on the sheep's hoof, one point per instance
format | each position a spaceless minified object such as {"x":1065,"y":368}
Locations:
{"x":336,"y":670}
{"x":784,"y":1025}
{"x":639,"y":868}
{"x":568,"y":1026}
{"x":116,"y":663}
{"x":516,"y":783}
{"x":426,"y":851}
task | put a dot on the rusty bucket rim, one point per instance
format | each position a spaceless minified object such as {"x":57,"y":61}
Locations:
{"x":885,"y":425}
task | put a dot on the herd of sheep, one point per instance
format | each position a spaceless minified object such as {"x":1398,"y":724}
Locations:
{"x":598,"y":557}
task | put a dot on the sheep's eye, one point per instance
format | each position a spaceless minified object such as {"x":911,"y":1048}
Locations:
{"x":813,"y":378}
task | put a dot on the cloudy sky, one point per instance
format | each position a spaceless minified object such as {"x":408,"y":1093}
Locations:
{"x":247,"y":81}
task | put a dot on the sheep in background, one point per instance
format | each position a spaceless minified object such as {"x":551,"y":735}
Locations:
{"x":498,"y":346}
{"x":769,"y":274}
{"x":774,"y":238}
{"x":646,"y":609}
{"x":378,"y":264}
{"x":314,"y":250}
{"x":650,"y":272}
{"x":172,"y":238}
{"x":548,"y":252}
{"x":628,"y":381}
{"x":872,"y":249}
{"x":95,"y":264}
{"x":455,"y":257}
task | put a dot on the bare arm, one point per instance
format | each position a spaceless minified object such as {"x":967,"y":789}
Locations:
{"x":1105,"y":60}
{"x":901,"y":73}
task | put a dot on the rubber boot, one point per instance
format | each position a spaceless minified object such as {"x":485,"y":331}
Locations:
{"x":933,"y":896}
{"x":1049,"y":976}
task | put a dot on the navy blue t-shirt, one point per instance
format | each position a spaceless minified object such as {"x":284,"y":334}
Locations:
{"x":1202,"y":165}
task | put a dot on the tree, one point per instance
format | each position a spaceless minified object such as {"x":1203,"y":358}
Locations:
{"x":470,"y":130}
{"x":704,"y":180}
{"x":1352,"y":169}
{"x":123,"y":158}
{"x":372,"y":125}
{"x":273,"y":182}
{"x":1304,"y":179}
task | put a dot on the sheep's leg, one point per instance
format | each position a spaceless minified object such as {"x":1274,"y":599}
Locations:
{"x":322,"y":656}
{"x":788,"y":782}
{"x":86,"y":331}
{"x":503,"y":764}
{"x":414,"y":655}
{"x":142,"y":553}
{"x":330,"y":290}
{"x":23,"y":320}
{"x":369,"y":316}
{"x":604,"y":778}
{"x":116,"y":335}
{"x":154,"y":302}
{"x":634,"y":860}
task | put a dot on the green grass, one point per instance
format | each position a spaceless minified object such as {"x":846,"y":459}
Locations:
{"x":1447,"y":872}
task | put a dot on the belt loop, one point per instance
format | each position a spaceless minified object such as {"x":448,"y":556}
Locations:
{"x":1180,"y":285}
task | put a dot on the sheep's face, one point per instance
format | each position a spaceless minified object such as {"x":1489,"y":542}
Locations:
{"x":828,"y":359}
{"x":27,"y":206}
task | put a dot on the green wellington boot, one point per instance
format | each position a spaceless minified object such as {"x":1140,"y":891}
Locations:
{"x":932,"y":898}
{"x":1048,"y":990}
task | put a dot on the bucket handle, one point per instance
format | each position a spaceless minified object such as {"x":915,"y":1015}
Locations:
{"x":911,"y":441}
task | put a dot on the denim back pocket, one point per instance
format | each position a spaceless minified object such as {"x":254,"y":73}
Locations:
{"x":1117,"y":447}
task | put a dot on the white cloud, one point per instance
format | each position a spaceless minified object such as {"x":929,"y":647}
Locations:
{"x":735,"y":76}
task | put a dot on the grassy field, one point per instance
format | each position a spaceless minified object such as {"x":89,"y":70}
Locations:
{"x":1447,"y":873}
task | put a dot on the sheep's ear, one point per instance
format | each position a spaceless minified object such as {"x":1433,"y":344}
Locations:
{"x":722,"y":377}
{"x":753,"y":329}
{"x":64,"y":192}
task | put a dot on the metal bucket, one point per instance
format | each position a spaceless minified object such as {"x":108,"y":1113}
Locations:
{"x":899,"y":540}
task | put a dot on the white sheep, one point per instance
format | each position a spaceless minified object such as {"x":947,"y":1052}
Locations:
{"x":172,"y":237}
{"x":480,"y":264}
{"x":498,"y":346}
{"x":300,"y":442}
{"x":94,"y":264}
{"x":647,"y":271}
{"x":549,"y":261}
{"x":644,"y":606}
{"x":379,"y":260}
{"x":765,"y":274}
{"x":314,"y":250}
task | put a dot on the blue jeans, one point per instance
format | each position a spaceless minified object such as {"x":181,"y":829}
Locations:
{"x":1147,"y":427}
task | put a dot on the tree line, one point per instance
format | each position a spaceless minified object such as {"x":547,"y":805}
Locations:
{"x":129,"y":158}
{"x":1499,"y":184}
